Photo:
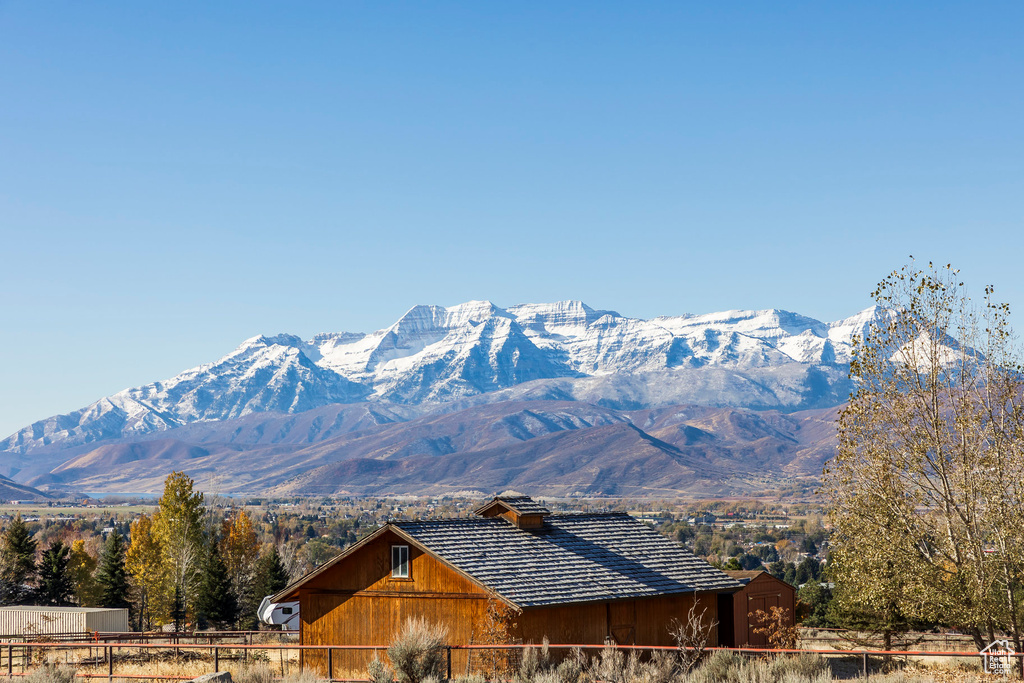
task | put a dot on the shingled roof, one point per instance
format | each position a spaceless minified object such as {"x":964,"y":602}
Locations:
{"x":573,"y":558}
{"x":522,"y":505}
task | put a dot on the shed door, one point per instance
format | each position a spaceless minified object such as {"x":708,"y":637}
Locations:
{"x":755,"y":603}
{"x":622,"y":622}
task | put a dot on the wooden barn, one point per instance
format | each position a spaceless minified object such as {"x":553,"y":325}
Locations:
{"x":575,"y":578}
{"x":761,"y":591}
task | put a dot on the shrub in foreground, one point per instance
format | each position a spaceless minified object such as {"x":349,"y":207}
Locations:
{"x":51,"y":673}
{"x":729,"y":667}
{"x":259,"y":672}
{"x":418,"y":652}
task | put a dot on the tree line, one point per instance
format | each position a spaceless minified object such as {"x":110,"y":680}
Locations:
{"x":181,"y":565}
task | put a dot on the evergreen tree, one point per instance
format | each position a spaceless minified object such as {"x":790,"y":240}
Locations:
{"x":271,"y":575}
{"x":777,"y":569}
{"x":817,"y":598}
{"x":112,"y":576}
{"x":17,"y":563}
{"x":55,"y":585}
{"x":749,"y":562}
{"x":177,"y":614}
{"x":215,"y":602}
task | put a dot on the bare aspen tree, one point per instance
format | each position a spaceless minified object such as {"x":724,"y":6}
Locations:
{"x":924,"y":494}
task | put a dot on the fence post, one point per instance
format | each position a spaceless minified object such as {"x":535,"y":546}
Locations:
{"x":110,"y":662}
{"x":330,"y":664}
{"x":216,"y":659}
{"x":865,"y":655}
{"x":449,"y":649}
{"x":10,"y":661}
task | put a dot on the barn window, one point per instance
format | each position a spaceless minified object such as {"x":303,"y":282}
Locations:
{"x":400,"y":561}
{"x":286,"y":610}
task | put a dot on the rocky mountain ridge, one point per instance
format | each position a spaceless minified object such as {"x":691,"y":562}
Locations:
{"x":436,"y":358}
{"x":559,"y":448}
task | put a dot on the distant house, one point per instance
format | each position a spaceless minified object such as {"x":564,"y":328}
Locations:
{"x":575,"y":578}
{"x":761,"y":591}
{"x":706,"y":518}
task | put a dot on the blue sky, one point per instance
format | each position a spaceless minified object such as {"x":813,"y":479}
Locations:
{"x":176,"y":177}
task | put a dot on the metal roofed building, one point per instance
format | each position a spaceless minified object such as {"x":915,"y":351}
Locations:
{"x":21,"y":620}
{"x":575,"y":578}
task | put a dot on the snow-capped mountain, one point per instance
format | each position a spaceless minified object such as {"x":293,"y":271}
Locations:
{"x":434,"y":354}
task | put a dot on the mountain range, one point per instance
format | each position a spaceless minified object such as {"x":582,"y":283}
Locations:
{"x":474,"y":397}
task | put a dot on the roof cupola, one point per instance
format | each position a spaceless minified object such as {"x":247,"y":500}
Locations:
{"x":522,"y":511}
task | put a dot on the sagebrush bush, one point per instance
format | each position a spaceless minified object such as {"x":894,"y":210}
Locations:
{"x":418,"y":652}
{"x":572,"y":668}
{"x":809,"y":666}
{"x":379,"y":671}
{"x":534,"y":661}
{"x":722,"y":665}
{"x":536,"y":665}
{"x":730,"y":667}
{"x":301,"y":677}
{"x":51,"y":673}
{"x":472,"y":678}
{"x":613,"y":665}
{"x":260,"y":672}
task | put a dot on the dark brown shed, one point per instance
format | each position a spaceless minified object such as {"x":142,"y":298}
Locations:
{"x":761,"y":591}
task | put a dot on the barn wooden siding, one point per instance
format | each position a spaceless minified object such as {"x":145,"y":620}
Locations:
{"x":356,"y":602}
{"x":627,"y":622}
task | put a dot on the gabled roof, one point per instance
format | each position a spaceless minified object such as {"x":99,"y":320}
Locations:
{"x":521,"y":505}
{"x":745,"y":577}
{"x":574,"y":558}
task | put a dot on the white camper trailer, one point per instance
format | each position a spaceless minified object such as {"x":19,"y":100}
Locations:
{"x":283,"y":614}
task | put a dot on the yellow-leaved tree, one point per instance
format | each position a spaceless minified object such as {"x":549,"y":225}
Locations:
{"x":81,"y":567}
{"x":147,"y":573}
{"x":178,"y":526}
{"x":240,"y":550}
{"x":924,"y":492}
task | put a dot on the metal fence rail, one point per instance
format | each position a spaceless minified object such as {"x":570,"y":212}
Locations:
{"x":145,"y":636}
{"x":101,"y":659}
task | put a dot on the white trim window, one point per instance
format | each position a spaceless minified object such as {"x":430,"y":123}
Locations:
{"x":400,"y":562}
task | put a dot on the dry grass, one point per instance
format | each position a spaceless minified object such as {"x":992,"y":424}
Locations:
{"x":265,"y":666}
{"x":185,"y":663}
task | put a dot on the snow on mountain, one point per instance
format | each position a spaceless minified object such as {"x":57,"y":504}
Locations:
{"x":843,"y":331}
{"x":437,"y":354}
{"x":263,"y":374}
